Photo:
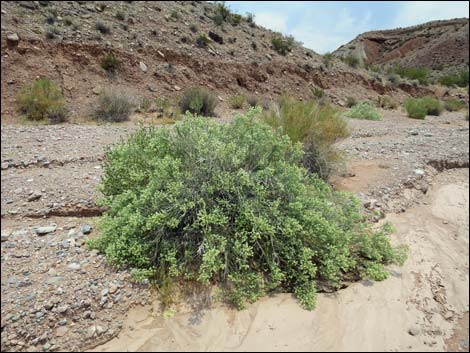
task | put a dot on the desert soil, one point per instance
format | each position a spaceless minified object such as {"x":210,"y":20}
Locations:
{"x":57,"y":295}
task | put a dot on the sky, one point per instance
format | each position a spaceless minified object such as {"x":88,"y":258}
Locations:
{"x":325,"y":25}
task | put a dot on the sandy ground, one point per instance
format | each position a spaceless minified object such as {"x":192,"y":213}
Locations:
{"x":416,"y":309}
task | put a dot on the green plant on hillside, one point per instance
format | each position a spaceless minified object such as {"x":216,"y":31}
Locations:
{"x":453,"y":105}
{"x":432,"y":105}
{"x":364,"y":110}
{"x":102,"y":27}
{"x":317,"y":127}
{"x":414,"y":73}
{"x":352,"y":61}
{"x":202,"y":41}
{"x":351,"y":102}
{"x":387,"y":102}
{"x":228,"y":204}
{"x":110,"y":63}
{"x":460,"y":79}
{"x":237,"y":101}
{"x":43,"y":99}
{"x":114,"y":106}
{"x":415,"y":109}
{"x":327,"y":59}
{"x":197,"y":100}
{"x":282,"y":45}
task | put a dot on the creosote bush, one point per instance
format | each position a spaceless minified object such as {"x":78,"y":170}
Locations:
{"x":43,"y":99}
{"x":387,"y":102}
{"x":114,"y":105}
{"x":198,"y":100}
{"x":318,"y":127}
{"x":364,"y":110}
{"x":102,"y":27}
{"x":228,"y":204}
{"x":460,"y":79}
{"x":282,"y":45}
{"x":110,"y":63}
{"x":454,"y":105}
{"x":202,"y":41}
{"x":418,"y":108}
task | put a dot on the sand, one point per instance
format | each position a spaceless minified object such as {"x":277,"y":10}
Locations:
{"x":416,"y":309}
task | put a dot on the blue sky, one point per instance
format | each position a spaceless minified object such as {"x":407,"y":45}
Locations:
{"x":325,"y":25}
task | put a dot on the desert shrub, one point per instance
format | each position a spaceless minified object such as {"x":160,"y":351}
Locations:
{"x":352,"y":61}
{"x":327,"y":59}
{"x":253,"y":101}
{"x":69,"y":22}
{"x":114,"y":105}
{"x":432,"y":105}
{"x":218,"y":20}
{"x":250,"y":18}
{"x":50,"y":19}
{"x":317,"y":127}
{"x":120,"y":15}
{"x":414,"y":73}
{"x":145,"y":104}
{"x":415,"y":109}
{"x":351,"y":102}
{"x":282,"y":45}
{"x":193,"y":28}
{"x":52,"y":32}
{"x":228,"y":204}
{"x":102,"y":27}
{"x":236,"y":19}
{"x":42,"y":99}
{"x":460,"y":79}
{"x":318,"y":92}
{"x":174,"y":15}
{"x":236,"y":102}
{"x":110,"y":63}
{"x":453,"y":105}
{"x":202,"y":41}
{"x":387,"y":102}
{"x":223,"y":10}
{"x":393,"y":78}
{"x":197,"y":100}
{"x":364,"y":110}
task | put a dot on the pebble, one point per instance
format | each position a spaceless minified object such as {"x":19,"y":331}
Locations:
{"x":61,"y":331}
{"x":46,"y":230}
{"x":414,"y":331}
{"x":74,"y":266}
{"x":5,"y":235}
{"x":86,"y":229}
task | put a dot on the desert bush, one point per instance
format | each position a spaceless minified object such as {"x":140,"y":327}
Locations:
{"x":253,"y":101}
{"x":50,"y":19}
{"x":364,"y":110}
{"x":236,"y":19}
{"x":52,"y":32}
{"x":327,"y":59}
{"x":387,"y":102}
{"x":318,"y":92}
{"x":102,"y":27}
{"x":453,"y":105}
{"x":202,"y":41}
{"x":352,"y":61}
{"x":114,"y":105}
{"x":120,"y":15}
{"x":393,"y":78}
{"x":228,"y":204}
{"x":193,"y":28}
{"x":174,"y":15}
{"x":110,"y":63}
{"x":317,"y":127}
{"x":432,"y":105}
{"x":236,"y":101}
{"x":415,"y":109}
{"x":414,"y":73}
{"x":282,"y":45}
{"x":250,"y":18}
{"x":197,"y":100}
{"x":460,"y":79}
{"x":43,"y":99}
{"x":351,"y":102}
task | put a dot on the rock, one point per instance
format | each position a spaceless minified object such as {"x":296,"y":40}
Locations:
{"x":86,"y":229}
{"x":13,"y":39}
{"x":5,"y":165}
{"x":216,"y":37}
{"x":61,"y":331}
{"x":113,"y":288}
{"x":161,"y":54}
{"x":142,"y":66}
{"x":31,"y":5}
{"x":5,"y":235}
{"x":46,"y":230}
{"x":52,"y":272}
{"x":177,"y":88}
{"x":104,"y":292}
{"x":414,"y":331}
{"x":96,"y":90}
{"x":419,"y":172}
{"x":34,"y":196}
{"x":74,"y":266}
{"x":62,"y":309}
{"x":152,"y":88}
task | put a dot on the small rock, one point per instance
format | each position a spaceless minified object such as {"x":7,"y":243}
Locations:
{"x":112,"y":289}
{"x":46,"y":230}
{"x":62,"y":309}
{"x":177,"y":88}
{"x":5,"y":235}
{"x":13,"y":39}
{"x":414,"y":331}
{"x":419,"y":172}
{"x":142,"y":66}
{"x":96,"y":90}
{"x":86,"y":229}
{"x":61,"y":331}
{"x":5,"y":165}
{"x":74,"y":266}
{"x":34,"y":196}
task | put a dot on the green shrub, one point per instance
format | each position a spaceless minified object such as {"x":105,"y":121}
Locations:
{"x":387,"y":102}
{"x":393,"y":78}
{"x":42,"y":99}
{"x":453,"y":105}
{"x":327,"y":59}
{"x":460,"y":79}
{"x":317,"y":127}
{"x":110,"y":63}
{"x":432,"y":105}
{"x":414,"y":73}
{"x":318,"y":92}
{"x":282,"y":45}
{"x":202,"y":41}
{"x":236,"y":19}
{"x":352,"y":61}
{"x":250,"y":18}
{"x":193,"y":28}
{"x":52,"y":32}
{"x":218,"y":20}
{"x":102,"y":27}
{"x":236,"y":102}
{"x":351,"y":102}
{"x":253,"y":101}
{"x":174,"y":15}
{"x":364,"y":110}
{"x":120,"y":15}
{"x":228,"y":204}
{"x":415,"y":109}
{"x":198,"y":101}
{"x":114,"y":105}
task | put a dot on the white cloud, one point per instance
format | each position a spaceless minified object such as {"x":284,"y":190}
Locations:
{"x":417,"y":12}
{"x":273,"y":21}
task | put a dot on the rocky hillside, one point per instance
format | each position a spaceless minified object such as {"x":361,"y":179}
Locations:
{"x":163,"y":47}
{"x":439,"y":45}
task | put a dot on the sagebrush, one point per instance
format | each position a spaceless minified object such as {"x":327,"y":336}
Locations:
{"x":114,"y":105}
{"x":198,"y":100}
{"x":229,"y":204}
{"x":364,"y":110}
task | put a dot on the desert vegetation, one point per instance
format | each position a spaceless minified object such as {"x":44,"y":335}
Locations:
{"x":198,"y":100}
{"x":364,"y":110}
{"x":418,"y":108}
{"x":230,"y":204}
{"x":114,"y":105}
